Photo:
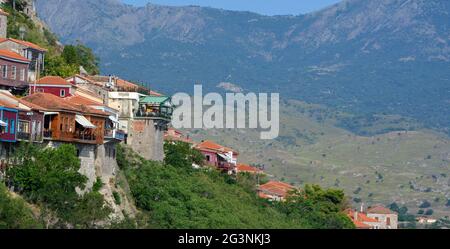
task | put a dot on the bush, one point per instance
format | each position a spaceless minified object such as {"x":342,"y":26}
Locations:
{"x":14,"y":213}
{"x":49,"y":178}
{"x":425,"y":204}
{"x":117,"y":198}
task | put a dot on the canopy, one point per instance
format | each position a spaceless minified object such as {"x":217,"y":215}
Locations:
{"x":154,"y":100}
{"x":50,"y":113}
{"x":113,"y":118}
{"x":3,"y":123}
{"x":84,"y":122}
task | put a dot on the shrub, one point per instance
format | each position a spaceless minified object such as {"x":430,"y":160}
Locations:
{"x":14,"y":213}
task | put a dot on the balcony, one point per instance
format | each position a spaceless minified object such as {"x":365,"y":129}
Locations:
{"x":114,"y":134}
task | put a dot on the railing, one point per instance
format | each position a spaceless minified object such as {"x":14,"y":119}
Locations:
{"x":84,"y":136}
{"x":116,"y":134}
{"x":23,"y":136}
{"x":225,"y":166}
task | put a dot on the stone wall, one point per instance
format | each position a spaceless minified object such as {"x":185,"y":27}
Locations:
{"x":146,"y":138}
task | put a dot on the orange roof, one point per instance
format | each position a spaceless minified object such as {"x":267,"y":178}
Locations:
{"x":278,"y":188}
{"x":31,"y":105}
{"x":84,"y":105}
{"x":50,"y":102}
{"x":126,"y":84}
{"x":13,"y":55}
{"x":361,"y":219}
{"x":210,"y":145}
{"x":174,"y":135}
{"x":379,"y":210}
{"x":24,"y":43}
{"x":247,"y":168}
{"x":52,"y":80}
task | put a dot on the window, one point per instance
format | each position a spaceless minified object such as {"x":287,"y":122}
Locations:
{"x":40,"y":90}
{"x":208,"y":158}
{"x":62,"y":93}
{"x":5,"y":71}
{"x":13,"y":126}
{"x":22,"y":74}
{"x":388,"y":221}
{"x":13,"y":72}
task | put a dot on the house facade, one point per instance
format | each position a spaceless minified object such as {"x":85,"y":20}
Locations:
{"x":388,"y":219}
{"x":13,"y":71}
{"x":53,"y":85}
{"x":34,"y":53}
{"x":219,"y":156}
{"x":30,"y":120}
{"x":8,"y":122}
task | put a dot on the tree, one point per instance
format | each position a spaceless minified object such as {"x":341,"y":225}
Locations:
{"x":180,"y":154}
{"x":49,"y":178}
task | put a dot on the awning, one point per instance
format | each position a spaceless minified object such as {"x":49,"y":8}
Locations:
{"x":113,"y":118}
{"x":50,"y":113}
{"x":84,"y":122}
{"x":3,"y":123}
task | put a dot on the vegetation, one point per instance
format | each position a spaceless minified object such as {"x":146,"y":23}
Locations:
{"x":14,"y":212}
{"x":49,"y":178}
{"x":182,"y":197}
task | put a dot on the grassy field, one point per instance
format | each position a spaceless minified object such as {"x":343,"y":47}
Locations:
{"x":389,"y":165}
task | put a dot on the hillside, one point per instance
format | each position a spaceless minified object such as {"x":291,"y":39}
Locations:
{"x":362,"y":56}
{"x":388,"y":164}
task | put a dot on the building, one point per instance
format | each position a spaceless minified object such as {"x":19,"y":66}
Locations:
{"x":13,"y":72}
{"x":173,"y":135}
{"x":275,"y":191}
{"x":31,"y":51}
{"x":99,"y":89}
{"x":362,"y":221}
{"x":30,"y":120}
{"x":245,"y":168}
{"x":219,"y":156}
{"x":54,"y":85}
{"x":70,"y":122}
{"x":387,"y":217}
{"x":377,"y":217}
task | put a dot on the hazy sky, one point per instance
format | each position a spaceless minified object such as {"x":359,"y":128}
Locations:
{"x":268,"y":7}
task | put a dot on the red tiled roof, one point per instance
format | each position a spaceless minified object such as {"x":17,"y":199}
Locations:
{"x":247,"y":168}
{"x":84,"y":105}
{"x":13,"y":55}
{"x":32,"y":105}
{"x":361,"y":219}
{"x":210,"y":145}
{"x":379,"y":210}
{"x":278,"y":188}
{"x":24,"y":43}
{"x":52,"y":80}
{"x":50,"y":101}
{"x":174,"y":135}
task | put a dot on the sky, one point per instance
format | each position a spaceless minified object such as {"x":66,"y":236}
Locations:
{"x":266,"y":7}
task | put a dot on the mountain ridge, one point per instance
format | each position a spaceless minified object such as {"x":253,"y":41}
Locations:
{"x":363,"y":56}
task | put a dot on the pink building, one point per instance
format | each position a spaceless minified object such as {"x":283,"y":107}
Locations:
{"x":54,"y":85}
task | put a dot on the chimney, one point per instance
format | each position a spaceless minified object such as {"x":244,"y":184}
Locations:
{"x":355,"y":217}
{"x":362,"y":207}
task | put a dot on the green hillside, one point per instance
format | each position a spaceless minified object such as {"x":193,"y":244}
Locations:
{"x":396,"y":160}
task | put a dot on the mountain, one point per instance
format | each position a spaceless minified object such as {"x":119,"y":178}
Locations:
{"x":361,"y":56}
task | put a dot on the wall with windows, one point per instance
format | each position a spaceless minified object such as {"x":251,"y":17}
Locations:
{"x":60,"y":91}
{"x":13,"y":74}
